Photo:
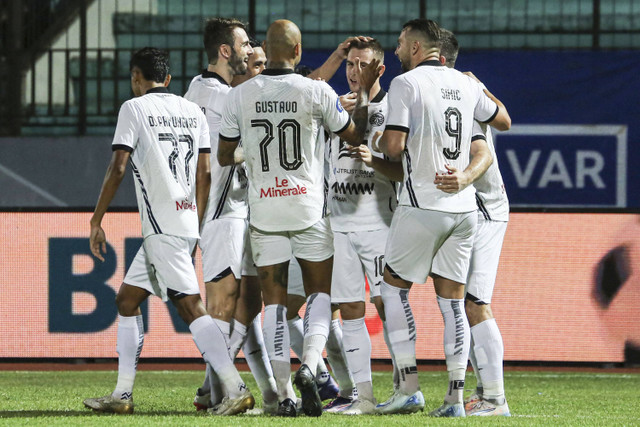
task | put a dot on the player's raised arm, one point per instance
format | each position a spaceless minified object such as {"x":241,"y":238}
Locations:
{"x":330,"y":66}
{"x":112,"y":179}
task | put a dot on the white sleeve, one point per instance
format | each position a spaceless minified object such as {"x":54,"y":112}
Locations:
{"x":400,"y":97}
{"x":204,"y":142}
{"x":229,"y":123}
{"x":486,"y":110}
{"x":334,"y":116}
{"x":477,"y":132}
{"x":126,"y":135}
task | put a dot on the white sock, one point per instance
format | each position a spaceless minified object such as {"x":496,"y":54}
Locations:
{"x":296,"y":334}
{"x":276,"y":336}
{"x":211,"y":382}
{"x":401,"y":328}
{"x":225,"y":328}
{"x":474,"y":365}
{"x":396,"y":373}
{"x":237,"y":339}
{"x":129,"y":346}
{"x":317,"y":320}
{"x":457,"y":340}
{"x":489,"y":353}
{"x":256,"y":354}
{"x":208,"y":339}
{"x":358,"y":349}
{"x":338,"y":359}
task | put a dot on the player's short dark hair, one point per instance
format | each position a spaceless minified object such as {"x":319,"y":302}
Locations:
{"x":428,"y":29}
{"x":449,"y":47}
{"x":374,"y":45}
{"x":219,"y":31}
{"x":254,"y":42}
{"x":152,"y":62}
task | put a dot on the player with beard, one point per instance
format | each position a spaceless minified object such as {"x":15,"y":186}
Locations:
{"x":227,"y":268}
{"x":431,"y":116}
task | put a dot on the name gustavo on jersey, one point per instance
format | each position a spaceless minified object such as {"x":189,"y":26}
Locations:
{"x":282,"y":189}
{"x":276,"y":107}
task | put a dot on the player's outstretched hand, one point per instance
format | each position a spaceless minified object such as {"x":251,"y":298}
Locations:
{"x":363,"y":153}
{"x":98,"y":242}
{"x":343,"y":48}
{"x":368,"y":75}
{"x":453,"y":181}
{"x":348,"y":101}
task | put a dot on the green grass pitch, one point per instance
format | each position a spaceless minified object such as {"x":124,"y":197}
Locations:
{"x":36,"y":398}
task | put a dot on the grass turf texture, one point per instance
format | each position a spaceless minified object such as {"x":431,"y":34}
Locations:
{"x":164,"y":398}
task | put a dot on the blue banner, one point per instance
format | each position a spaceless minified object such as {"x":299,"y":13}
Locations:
{"x":591,"y":159}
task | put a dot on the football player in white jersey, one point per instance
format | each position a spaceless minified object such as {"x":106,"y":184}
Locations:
{"x":493,"y":216}
{"x":227,"y":266}
{"x":361,"y":202}
{"x":165,"y":138}
{"x":431,"y":114}
{"x":278,"y":114}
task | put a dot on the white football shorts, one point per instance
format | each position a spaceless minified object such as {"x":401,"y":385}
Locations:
{"x":487,"y":245}
{"x":225,"y":244}
{"x":364,"y":249}
{"x":422,"y":241}
{"x":274,"y":247}
{"x":164,"y":267}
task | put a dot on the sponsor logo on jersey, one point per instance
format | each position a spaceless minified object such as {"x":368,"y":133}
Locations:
{"x":339,"y":106}
{"x":352,"y":188}
{"x":282,"y":189}
{"x":186,"y":205}
{"x":376,"y":119}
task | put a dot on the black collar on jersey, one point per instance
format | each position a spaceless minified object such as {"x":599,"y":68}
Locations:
{"x":432,"y":62}
{"x":159,"y":89}
{"x":277,"y":71}
{"x":211,"y":75}
{"x":379,"y":96}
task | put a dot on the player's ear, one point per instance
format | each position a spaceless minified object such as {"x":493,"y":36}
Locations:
{"x":298,"y":50}
{"x":382,"y":68}
{"x":167,"y":80}
{"x":224,"y":51}
{"x":442,"y":59}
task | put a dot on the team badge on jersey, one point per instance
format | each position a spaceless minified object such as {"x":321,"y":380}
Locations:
{"x":376,"y":119}
{"x":339,"y":106}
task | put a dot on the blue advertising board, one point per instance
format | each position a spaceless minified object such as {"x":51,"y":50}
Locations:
{"x":564,"y":165}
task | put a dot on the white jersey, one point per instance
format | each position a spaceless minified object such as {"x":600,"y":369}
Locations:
{"x":360,"y":199}
{"x":491,"y":196}
{"x":279,"y":114}
{"x":436,"y":106}
{"x":228,"y":194}
{"x":164,"y":134}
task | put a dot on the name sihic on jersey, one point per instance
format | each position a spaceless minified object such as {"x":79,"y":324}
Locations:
{"x":172,"y":121}
{"x":451,"y":94}
{"x":352,"y":188}
{"x":276,"y":107}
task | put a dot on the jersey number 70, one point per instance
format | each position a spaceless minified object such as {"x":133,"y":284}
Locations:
{"x":288,"y":131}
